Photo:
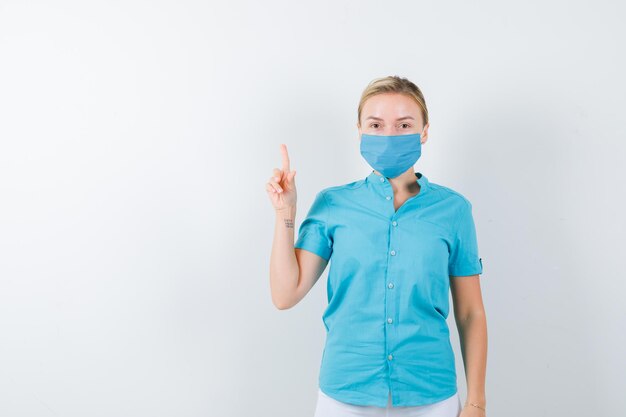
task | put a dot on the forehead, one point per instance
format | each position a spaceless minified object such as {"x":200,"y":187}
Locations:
{"x":390,"y":107}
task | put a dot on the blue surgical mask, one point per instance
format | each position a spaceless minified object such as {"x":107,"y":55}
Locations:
{"x":391,"y":155}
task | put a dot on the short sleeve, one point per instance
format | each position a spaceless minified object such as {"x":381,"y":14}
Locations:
{"x":464,"y":259}
{"x":313,"y":233}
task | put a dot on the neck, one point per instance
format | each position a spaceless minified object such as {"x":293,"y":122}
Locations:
{"x":405,"y":182}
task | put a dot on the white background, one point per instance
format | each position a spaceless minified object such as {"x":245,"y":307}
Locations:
{"x":136,"y":138}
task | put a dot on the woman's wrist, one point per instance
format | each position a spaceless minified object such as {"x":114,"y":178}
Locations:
{"x":478,"y":404}
{"x":286,"y":209}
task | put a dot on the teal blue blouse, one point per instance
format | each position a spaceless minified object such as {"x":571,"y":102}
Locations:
{"x":388,"y":287}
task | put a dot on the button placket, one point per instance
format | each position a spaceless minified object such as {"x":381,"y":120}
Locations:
{"x":387,"y":188}
{"x":391,"y":295}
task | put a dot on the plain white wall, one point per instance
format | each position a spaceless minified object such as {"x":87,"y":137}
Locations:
{"x":135,"y":231}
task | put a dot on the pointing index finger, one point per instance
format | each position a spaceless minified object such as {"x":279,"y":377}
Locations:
{"x":283,"y":151}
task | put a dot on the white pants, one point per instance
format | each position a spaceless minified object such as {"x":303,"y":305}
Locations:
{"x":329,"y":407}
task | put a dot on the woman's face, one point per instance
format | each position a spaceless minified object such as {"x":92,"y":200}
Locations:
{"x":392,"y":114}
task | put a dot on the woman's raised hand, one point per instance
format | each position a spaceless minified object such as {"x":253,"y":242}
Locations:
{"x":281,"y":187}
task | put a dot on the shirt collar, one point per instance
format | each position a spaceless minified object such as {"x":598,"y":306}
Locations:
{"x":375,"y":180}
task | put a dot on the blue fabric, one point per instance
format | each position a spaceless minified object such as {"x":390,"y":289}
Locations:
{"x":388,"y":287}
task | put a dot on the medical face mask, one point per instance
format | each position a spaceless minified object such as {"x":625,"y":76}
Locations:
{"x":391,"y":155}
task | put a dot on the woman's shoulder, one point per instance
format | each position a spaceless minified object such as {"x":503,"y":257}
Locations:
{"x":448,"y":193}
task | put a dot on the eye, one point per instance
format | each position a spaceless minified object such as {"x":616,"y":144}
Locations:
{"x":372,"y":125}
{"x":407,"y":125}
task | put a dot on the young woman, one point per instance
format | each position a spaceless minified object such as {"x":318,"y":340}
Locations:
{"x":399,"y":244}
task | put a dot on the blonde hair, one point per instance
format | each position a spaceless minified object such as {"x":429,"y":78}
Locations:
{"x":393,"y":84}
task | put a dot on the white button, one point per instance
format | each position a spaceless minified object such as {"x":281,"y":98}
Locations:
{"x":390,"y":357}
{"x":390,"y":285}
{"x":382,"y":179}
{"x":388,"y":198}
{"x":393,"y":252}
{"x":395,"y":223}
{"x":390,"y":320}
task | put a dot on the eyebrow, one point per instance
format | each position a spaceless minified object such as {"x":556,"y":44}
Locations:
{"x":401,"y":118}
